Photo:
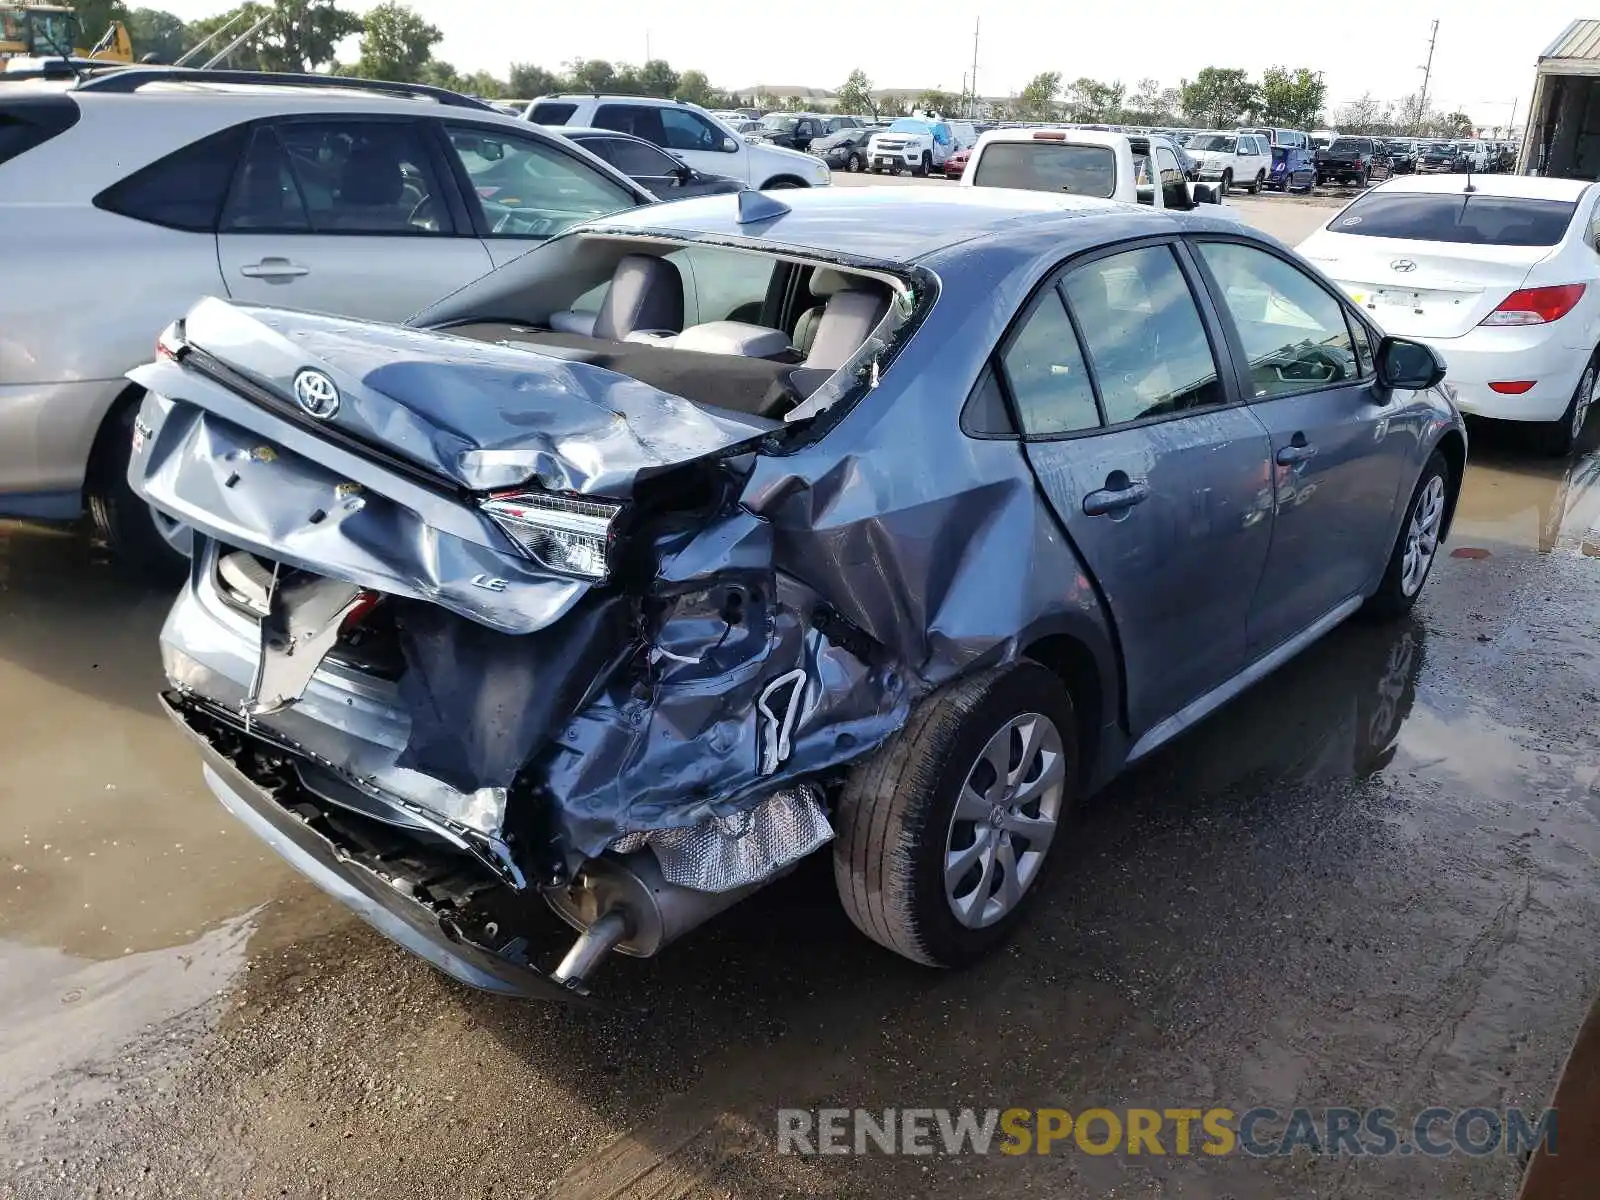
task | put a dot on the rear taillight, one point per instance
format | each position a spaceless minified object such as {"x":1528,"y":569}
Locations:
{"x":1537,"y":306}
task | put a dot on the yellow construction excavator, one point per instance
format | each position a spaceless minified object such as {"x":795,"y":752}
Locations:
{"x":51,"y":31}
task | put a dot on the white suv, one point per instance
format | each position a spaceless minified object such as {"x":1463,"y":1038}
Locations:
{"x":1233,"y":159}
{"x":129,"y":196}
{"x":690,"y":133}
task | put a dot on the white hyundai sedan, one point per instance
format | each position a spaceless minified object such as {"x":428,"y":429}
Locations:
{"x":1499,"y":273}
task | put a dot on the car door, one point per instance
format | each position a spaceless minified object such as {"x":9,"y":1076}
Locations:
{"x":521,"y":189}
{"x":1305,"y":361}
{"x":1161,"y":482}
{"x":644,"y":164}
{"x":348,"y":215}
{"x":704,"y":145}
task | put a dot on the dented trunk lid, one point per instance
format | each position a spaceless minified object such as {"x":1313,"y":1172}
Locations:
{"x":478,"y":415}
{"x":384,"y":489}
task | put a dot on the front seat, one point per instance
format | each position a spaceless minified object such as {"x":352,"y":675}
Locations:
{"x":371,"y":188}
{"x":828,"y":335}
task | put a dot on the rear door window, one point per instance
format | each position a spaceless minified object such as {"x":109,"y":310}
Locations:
{"x":641,"y":120}
{"x":1144,"y":335}
{"x":551,"y":112}
{"x":631,"y":158}
{"x":340,"y":177}
{"x":1475,"y":220}
{"x":686,"y":130}
{"x":1048,"y":167}
{"x":185,"y":190}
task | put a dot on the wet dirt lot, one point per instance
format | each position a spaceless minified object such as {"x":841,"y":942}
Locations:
{"x":1371,"y":881}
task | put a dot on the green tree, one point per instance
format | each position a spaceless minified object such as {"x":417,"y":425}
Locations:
{"x":94,"y":18}
{"x":1219,"y":96}
{"x":591,"y":75}
{"x":1455,"y":125}
{"x":300,"y":35}
{"x":159,"y":33}
{"x":528,"y":81}
{"x":1090,"y":100}
{"x":1292,"y":99}
{"x":695,"y":88}
{"x":1151,"y":104}
{"x":437,"y":73}
{"x":891,"y":106}
{"x":657,"y":78}
{"x":935,"y":101}
{"x":1365,"y":115}
{"x":855,"y":94}
{"x":485,"y":84}
{"x":1038,"y":98}
{"x":396,"y":44}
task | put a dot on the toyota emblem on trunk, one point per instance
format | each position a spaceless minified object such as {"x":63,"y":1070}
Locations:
{"x":316,"y":394}
{"x":1403,"y":265}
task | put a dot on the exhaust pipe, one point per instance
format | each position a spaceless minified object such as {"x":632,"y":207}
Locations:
{"x":622,"y":903}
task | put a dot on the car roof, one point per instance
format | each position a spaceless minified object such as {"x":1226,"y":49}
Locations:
{"x":897,"y":224}
{"x":271,"y":98}
{"x":1536,"y":186}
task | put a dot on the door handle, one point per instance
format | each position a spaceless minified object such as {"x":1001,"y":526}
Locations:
{"x":274,"y":268}
{"x":1296,"y":452}
{"x":1119,"y":494}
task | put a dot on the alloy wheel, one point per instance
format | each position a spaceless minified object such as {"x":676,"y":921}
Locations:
{"x":1004,"y":820}
{"x":1422,"y":536}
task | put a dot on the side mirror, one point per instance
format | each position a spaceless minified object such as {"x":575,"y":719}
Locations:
{"x":1409,"y":366}
{"x":730,"y":146}
{"x":1205,"y":193}
{"x":683,"y":173}
{"x":492,"y":150}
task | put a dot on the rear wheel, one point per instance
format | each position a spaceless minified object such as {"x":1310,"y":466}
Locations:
{"x":944,"y":832}
{"x":1411,"y":561}
{"x":1227,"y":182}
{"x":1560,"y":437}
{"x":1255,"y":188}
{"x":142,"y":541}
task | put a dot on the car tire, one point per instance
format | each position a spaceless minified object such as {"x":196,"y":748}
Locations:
{"x":1406,"y":575}
{"x":925,"y":166}
{"x":1227,"y":182}
{"x":916,"y":808}
{"x":141,"y":542}
{"x":1364,"y":178}
{"x":853,"y":164}
{"x":1255,"y":188}
{"x":1560,"y":437}
{"x":783,"y":183}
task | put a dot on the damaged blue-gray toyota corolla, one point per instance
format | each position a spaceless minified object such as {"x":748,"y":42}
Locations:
{"x":709,"y":534}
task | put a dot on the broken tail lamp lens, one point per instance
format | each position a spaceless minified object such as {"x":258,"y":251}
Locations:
{"x":568,"y":536}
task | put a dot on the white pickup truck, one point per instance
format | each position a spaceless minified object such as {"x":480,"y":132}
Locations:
{"x":1134,"y":168}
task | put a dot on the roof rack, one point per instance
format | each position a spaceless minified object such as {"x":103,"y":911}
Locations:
{"x":127,"y":80}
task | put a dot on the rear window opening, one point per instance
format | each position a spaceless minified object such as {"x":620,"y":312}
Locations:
{"x":552,"y":113}
{"x":1471,"y":220}
{"x":1048,"y":167}
{"x":27,"y":122}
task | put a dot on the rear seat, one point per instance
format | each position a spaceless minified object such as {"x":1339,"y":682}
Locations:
{"x":758,"y":386}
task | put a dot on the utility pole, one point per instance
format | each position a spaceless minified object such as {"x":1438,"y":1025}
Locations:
{"x":1427,"y":75}
{"x":647,"y":44}
{"x":972,"y":104}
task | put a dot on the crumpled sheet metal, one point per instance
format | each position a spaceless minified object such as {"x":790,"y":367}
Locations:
{"x":688,"y":747}
{"x":481,"y":415}
{"x":741,"y":848}
{"x":367,"y":527}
